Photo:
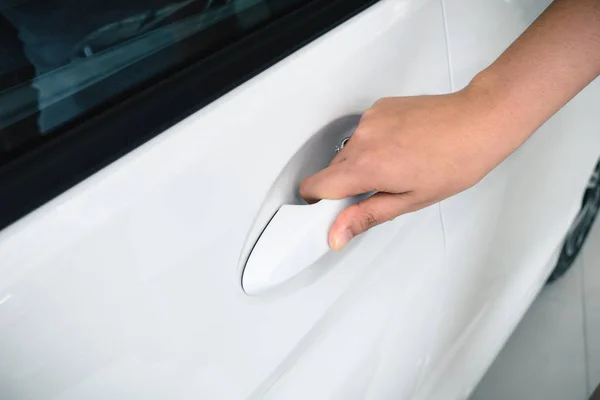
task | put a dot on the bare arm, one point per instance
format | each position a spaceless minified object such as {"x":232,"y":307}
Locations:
{"x":416,"y":151}
{"x":546,"y":67}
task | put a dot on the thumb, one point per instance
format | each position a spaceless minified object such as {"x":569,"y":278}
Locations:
{"x":360,"y":217}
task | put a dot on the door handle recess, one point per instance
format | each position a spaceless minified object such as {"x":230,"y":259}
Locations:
{"x":289,"y":235}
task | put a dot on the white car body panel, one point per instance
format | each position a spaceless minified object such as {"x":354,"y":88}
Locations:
{"x":128,"y":285}
{"x":504,"y":234}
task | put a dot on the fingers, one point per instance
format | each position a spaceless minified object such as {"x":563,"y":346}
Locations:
{"x":335,"y":182}
{"x":339,"y":157}
{"x":362,"y":216}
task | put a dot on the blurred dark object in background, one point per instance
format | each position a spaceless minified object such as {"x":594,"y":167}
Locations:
{"x":14,"y":66}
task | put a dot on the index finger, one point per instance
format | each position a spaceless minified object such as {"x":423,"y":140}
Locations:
{"x":336,"y":182}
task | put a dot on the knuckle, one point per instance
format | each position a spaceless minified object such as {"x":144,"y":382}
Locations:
{"x":361,"y":132}
{"x":369,"y":217}
{"x":368,"y":220}
{"x":382,"y":102}
{"x":374,"y":112}
{"x":369,"y":113}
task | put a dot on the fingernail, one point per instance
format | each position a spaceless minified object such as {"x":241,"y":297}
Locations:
{"x":342,"y":239}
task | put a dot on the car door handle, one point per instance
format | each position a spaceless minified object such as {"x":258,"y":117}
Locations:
{"x":295,"y":239}
{"x":290,"y":235}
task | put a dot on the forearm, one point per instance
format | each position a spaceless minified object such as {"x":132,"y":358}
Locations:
{"x":556,"y":57}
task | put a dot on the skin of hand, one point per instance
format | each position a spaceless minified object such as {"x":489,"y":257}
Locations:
{"x":417,"y":151}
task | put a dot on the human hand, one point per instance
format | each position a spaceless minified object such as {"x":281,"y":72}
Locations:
{"x":414,"y":151}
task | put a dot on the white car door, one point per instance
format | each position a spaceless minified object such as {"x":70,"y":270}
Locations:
{"x":504,"y":235}
{"x":128,"y":284}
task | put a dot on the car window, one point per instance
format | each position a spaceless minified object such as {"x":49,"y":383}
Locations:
{"x":83,"y":82}
{"x":61,"y":59}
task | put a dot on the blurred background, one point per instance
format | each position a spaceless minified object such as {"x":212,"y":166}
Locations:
{"x":555,"y":351}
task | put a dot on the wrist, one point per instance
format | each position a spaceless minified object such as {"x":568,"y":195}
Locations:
{"x":500,"y":109}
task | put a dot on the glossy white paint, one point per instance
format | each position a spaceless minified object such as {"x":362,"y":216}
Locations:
{"x":504,"y":234}
{"x":293,"y":241}
{"x":129,"y":285}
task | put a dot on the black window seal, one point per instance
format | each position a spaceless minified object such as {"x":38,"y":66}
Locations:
{"x":61,"y":162}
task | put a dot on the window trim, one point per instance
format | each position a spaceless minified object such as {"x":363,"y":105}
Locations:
{"x":61,"y":162}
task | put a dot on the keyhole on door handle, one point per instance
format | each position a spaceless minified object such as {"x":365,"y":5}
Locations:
{"x":342,"y":145}
{"x":289,"y":235}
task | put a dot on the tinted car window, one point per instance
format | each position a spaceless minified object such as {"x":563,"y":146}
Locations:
{"x":83,"y":82}
{"x":63,"y":58}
